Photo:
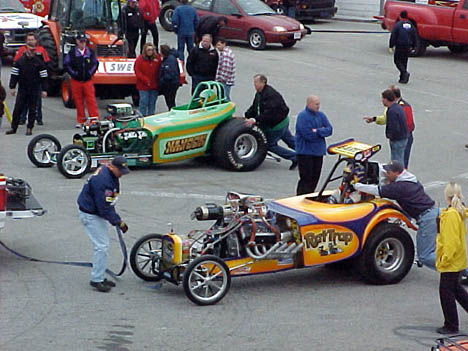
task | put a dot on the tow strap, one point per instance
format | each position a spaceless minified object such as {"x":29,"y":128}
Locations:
{"x":123,"y":249}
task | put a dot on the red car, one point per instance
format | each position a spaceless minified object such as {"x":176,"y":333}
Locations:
{"x":248,"y":20}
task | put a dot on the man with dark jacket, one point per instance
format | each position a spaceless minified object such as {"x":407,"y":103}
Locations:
{"x":408,"y":192}
{"x":184,"y":22}
{"x":270,"y":112}
{"x":202,"y":62}
{"x":403,"y":38}
{"x":30,"y":73}
{"x":96,"y":207}
{"x":209,"y":24}
{"x":81,"y":63}
{"x":133,"y":22}
{"x":396,"y":129}
{"x":169,"y":75}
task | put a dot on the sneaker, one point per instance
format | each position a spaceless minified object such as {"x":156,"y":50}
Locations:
{"x":464,"y":280}
{"x":78,"y":125}
{"x":29,"y":131}
{"x":446,"y":330}
{"x":40,"y":123}
{"x":100,"y":286}
{"x":293,"y":166}
{"x":109,"y":283}
{"x":466,"y":146}
{"x":22,"y":123}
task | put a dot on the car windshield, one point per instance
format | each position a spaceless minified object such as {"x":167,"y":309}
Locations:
{"x":255,"y":8}
{"x":11,"y":6}
{"x":85,"y":14}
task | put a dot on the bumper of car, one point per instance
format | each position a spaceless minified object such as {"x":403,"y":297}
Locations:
{"x":282,"y":37}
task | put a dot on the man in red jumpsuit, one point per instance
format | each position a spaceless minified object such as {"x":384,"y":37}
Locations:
{"x":81,"y":63}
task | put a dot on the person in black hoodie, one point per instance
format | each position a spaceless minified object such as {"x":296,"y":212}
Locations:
{"x":30,"y":73}
{"x":133,"y":22}
{"x":169,"y":75}
{"x":209,"y":24}
{"x":403,"y":38}
{"x":202,"y":62}
{"x":270,"y":112}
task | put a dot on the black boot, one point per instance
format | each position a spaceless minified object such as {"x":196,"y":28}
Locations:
{"x":11,"y":131}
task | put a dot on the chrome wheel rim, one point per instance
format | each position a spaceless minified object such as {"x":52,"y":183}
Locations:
{"x":208,"y":280}
{"x":255,"y":40}
{"x":43,"y":150}
{"x":148,"y":257}
{"x":389,"y":255}
{"x":75,"y":161}
{"x":245,"y":146}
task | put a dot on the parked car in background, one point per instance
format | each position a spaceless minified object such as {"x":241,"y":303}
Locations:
{"x":306,"y":9}
{"x":438,"y":23}
{"x":15,"y":23}
{"x":248,"y":20}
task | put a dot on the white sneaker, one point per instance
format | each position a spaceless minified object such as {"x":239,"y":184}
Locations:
{"x":79,"y":125}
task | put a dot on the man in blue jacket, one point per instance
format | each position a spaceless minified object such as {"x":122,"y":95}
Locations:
{"x":312,"y":127}
{"x":96,"y":207}
{"x":184,"y":22}
{"x":403,"y":38}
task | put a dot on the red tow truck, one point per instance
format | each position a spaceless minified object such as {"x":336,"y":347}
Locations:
{"x":438,"y":23}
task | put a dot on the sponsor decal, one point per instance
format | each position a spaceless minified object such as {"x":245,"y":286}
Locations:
{"x":185,"y":144}
{"x":140,"y":134}
{"x":119,"y":67}
{"x":328,"y":241}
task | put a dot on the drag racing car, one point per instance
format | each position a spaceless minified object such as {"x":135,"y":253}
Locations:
{"x":251,"y":236}
{"x":204,"y":126}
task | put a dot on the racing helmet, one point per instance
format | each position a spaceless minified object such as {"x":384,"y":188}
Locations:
{"x":207,"y":95}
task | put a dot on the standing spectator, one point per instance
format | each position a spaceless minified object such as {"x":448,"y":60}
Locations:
{"x":202,"y":62}
{"x":403,"y":38}
{"x":451,"y":258}
{"x":408,"y":192}
{"x":30,"y":73}
{"x":169,"y":75}
{"x":2,"y":102}
{"x":81,"y":63}
{"x":96,"y":207}
{"x":209,"y":24}
{"x":396,"y":129}
{"x":226,"y":72}
{"x":270,"y":112}
{"x":31,"y":43}
{"x":290,"y":7}
{"x":147,"y":75}
{"x":150,"y":10}
{"x":312,"y":127}
{"x":2,"y":49}
{"x":184,"y":22}
{"x":133,"y":22}
{"x":382,"y":119}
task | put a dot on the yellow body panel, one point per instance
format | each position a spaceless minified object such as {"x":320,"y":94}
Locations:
{"x":264,"y":266}
{"x":177,"y":248}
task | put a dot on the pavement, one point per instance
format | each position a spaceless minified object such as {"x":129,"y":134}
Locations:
{"x":52,"y":307}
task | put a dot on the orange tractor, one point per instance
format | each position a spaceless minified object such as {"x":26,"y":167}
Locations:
{"x":100,"y":20}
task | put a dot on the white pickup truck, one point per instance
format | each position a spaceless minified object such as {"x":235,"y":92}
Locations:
{"x":15,"y":23}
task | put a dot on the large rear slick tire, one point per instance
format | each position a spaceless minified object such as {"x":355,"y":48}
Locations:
{"x":42,"y":150}
{"x":46,"y":40}
{"x":239,"y":147}
{"x":387,"y":256}
{"x":206,"y":280}
{"x":66,"y":92}
{"x":73,"y":161}
{"x":145,"y":257}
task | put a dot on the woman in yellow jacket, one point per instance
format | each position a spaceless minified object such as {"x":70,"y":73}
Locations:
{"x":451,"y":258}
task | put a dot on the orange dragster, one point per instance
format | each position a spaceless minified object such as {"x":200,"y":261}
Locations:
{"x":251,"y":236}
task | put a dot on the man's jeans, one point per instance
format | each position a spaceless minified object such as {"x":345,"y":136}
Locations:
{"x":182,"y":41}
{"x":408,"y":149}
{"x":227,"y":91}
{"x":281,"y":134}
{"x":426,"y":237}
{"x":147,"y":102}
{"x":397,"y":150}
{"x":96,"y":228}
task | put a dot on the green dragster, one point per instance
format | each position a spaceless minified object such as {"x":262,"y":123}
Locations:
{"x":204,"y":126}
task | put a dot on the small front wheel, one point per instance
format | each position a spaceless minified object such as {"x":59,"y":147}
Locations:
{"x":42,"y":150}
{"x":387,"y":256}
{"x":257,"y":40}
{"x":206,"y":280}
{"x":145,"y":257}
{"x":73,"y":161}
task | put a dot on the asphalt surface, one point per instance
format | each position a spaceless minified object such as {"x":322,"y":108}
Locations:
{"x":52,"y":307}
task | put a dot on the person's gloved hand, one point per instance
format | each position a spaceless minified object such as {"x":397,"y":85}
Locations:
{"x":123,"y":227}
